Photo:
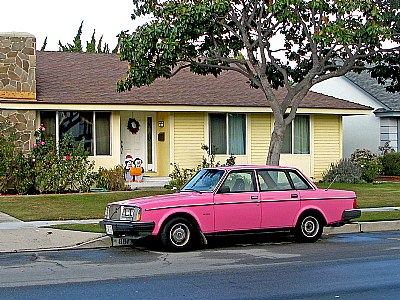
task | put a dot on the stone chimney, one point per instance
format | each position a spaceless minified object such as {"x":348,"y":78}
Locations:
{"x":17,"y":66}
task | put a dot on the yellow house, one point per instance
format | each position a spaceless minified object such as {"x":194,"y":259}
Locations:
{"x":164,"y":123}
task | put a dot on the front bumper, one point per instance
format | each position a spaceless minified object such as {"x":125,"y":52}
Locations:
{"x":132,"y":230}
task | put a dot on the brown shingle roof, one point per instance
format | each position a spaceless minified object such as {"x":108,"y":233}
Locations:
{"x":90,"y":78}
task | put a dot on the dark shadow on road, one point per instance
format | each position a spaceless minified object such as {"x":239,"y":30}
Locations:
{"x":223,"y":241}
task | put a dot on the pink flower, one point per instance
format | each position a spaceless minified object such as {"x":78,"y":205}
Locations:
{"x":42,"y":143}
{"x":68,"y":157}
{"x":1,"y":179}
{"x":35,"y":146}
{"x":33,"y":160}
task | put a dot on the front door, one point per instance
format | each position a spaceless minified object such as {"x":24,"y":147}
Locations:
{"x":237,"y":204}
{"x":137,"y":137}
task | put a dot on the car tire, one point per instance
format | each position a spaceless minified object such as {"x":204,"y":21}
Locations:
{"x":308,"y":229}
{"x":178,"y":234}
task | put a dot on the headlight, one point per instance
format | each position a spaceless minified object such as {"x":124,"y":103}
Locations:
{"x":107,"y":212}
{"x":131,"y":213}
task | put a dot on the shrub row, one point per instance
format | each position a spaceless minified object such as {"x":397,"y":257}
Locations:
{"x":363,"y":166}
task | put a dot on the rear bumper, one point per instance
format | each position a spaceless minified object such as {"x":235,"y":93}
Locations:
{"x":133,"y":230}
{"x":350,"y":214}
{"x":346,"y":217}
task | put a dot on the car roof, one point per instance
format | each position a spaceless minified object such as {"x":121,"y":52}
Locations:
{"x":246,"y":167}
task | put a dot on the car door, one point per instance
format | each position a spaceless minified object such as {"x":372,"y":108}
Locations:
{"x":279,"y":201}
{"x":237,"y":204}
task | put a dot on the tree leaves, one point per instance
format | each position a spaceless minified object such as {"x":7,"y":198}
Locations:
{"x":291,"y":44}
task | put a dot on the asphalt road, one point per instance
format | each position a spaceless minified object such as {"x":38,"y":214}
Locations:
{"x":353,"y":266}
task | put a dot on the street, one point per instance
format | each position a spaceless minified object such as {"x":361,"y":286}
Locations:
{"x":352,"y":266}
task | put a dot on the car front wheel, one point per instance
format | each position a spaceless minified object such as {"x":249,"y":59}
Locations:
{"x":309,"y":229}
{"x":178,"y":234}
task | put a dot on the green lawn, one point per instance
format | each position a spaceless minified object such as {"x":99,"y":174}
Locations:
{"x":92,"y":205}
{"x":372,"y":194}
{"x":66,"y":206}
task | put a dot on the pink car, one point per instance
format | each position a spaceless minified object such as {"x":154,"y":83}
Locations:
{"x":231,"y":200}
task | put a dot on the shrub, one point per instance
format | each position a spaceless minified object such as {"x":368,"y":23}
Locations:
{"x":391,"y":164}
{"x":180,"y":176}
{"x":344,"y":171}
{"x":111,"y":179}
{"x":368,"y":162}
{"x":61,"y":169}
{"x":15,"y":170}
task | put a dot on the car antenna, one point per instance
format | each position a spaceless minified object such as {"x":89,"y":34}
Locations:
{"x":332,"y":182}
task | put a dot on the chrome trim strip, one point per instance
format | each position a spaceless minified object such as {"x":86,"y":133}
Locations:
{"x":178,"y":206}
{"x":329,"y":198}
{"x":247,"y":202}
{"x":207,"y":204}
{"x":307,"y":199}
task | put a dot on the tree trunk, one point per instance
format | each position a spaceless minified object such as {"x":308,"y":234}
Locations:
{"x":276,"y":143}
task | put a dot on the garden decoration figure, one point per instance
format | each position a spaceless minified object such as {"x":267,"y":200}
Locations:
{"x":137,"y":170}
{"x":128,"y":166}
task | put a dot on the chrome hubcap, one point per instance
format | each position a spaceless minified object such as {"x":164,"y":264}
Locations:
{"x":180,"y":234}
{"x":310,"y":226}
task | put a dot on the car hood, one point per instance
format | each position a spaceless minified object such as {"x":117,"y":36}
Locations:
{"x":165,"y":200}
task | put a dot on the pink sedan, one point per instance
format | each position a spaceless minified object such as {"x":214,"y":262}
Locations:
{"x":236,"y":199}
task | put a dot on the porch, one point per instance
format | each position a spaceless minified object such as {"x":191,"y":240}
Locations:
{"x":149,"y":181}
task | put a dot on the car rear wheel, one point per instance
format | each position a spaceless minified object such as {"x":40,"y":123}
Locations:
{"x":178,"y":234}
{"x":309,"y":229}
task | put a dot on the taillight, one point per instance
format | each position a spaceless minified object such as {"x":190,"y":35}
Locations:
{"x":355,"y":205}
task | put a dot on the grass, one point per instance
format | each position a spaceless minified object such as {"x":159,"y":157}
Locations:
{"x":372,"y":194}
{"x":92,"y":205}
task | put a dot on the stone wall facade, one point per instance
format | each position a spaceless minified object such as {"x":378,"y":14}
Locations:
{"x":24,"y":122}
{"x":17,"y":66}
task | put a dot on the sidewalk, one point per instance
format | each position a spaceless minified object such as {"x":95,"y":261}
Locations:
{"x":18,"y":236}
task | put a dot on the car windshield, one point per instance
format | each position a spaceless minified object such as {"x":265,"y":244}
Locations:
{"x":204,"y":181}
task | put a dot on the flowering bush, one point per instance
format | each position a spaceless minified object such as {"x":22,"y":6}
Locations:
{"x":63,"y":168}
{"x":368,"y":162}
{"x":386,"y":148}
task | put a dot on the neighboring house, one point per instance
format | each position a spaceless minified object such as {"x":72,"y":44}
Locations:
{"x":367,"y":131}
{"x":168,"y":121}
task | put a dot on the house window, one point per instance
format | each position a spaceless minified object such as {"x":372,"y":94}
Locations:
{"x":297,"y":136}
{"x":228,"y":134}
{"x":91,"y":127}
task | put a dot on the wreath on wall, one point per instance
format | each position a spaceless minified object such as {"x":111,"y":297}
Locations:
{"x":133,"y":125}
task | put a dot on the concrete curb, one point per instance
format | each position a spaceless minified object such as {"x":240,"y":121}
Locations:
{"x":364,"y":227}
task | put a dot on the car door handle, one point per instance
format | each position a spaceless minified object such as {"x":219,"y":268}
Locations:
{"x":294,"y":195}
{"x":254,"y":197}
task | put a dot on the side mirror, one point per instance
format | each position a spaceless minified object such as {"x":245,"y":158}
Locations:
{"x":224,"y":189}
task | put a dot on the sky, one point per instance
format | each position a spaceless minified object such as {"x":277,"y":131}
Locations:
{"x":60,"y":20}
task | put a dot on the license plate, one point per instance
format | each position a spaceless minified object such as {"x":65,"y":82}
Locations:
{"x":109,"y":229}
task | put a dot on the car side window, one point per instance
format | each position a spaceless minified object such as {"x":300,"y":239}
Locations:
{"x":239,"y":182}
{"x":298,"y":182}
{"x":273,"y":180}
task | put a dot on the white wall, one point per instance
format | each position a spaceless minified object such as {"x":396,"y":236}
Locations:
{"x":359,"y":132}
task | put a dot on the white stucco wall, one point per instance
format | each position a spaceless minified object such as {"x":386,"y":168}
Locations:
{"x":359,"y":132}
